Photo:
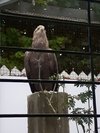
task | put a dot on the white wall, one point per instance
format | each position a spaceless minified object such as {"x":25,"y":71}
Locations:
{"x":13,"y":100}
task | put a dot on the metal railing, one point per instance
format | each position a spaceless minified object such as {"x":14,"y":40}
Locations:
{"x":91,"y":54}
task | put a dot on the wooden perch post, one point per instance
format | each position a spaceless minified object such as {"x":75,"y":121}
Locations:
{"x":41,"y":102}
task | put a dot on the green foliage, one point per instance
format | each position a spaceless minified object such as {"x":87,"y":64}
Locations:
{"x":57,"y":43}
{"x":4,"y":61}
{"x":59,"y":3}
{"x":71,"y":102}
{"x":2,"y":38}
{"x":66,"y":3}
{"x":41,"y":2}
{"x":25,"y":41}
{"x":66,"y":61}
{"x":13,"y":37}
{"x":19,"y":55}
{"x":14,"y":59}
{"x":84,"y":98}
{"x":82,"y":120}
{"x":76,"y":110}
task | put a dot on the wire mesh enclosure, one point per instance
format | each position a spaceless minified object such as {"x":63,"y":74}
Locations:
{"x":73,"y":34}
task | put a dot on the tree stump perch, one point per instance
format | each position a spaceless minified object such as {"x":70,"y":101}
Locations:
{"x":40,"y":103}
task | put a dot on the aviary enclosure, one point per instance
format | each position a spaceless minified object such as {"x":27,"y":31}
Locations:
{"x":73,"y":33}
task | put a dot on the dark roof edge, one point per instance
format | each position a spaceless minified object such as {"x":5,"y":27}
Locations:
{"x":7,"y":2}
{"x":37,"y":16}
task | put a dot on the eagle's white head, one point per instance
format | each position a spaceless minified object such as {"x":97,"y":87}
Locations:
{"x":40,"y":38}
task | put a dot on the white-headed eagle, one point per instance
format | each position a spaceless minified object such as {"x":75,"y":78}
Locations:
{"x":41,"y":65}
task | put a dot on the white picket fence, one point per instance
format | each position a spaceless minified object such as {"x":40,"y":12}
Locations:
{"x":4,"y":71}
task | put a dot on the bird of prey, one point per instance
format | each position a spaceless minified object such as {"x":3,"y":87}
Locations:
{"x":41,"y":65}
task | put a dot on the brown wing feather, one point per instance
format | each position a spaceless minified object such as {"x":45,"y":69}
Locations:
{"x":48,"y":67}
